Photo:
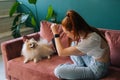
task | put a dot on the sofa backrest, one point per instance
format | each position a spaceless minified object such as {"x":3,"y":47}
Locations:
{"x":112,"y":36}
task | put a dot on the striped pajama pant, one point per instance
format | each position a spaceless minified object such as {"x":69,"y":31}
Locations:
{"x":83,"y":68}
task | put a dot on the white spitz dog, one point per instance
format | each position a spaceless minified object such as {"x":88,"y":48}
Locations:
{"x":36,"y":50}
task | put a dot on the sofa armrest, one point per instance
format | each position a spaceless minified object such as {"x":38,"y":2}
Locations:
{"x":12,"y":48}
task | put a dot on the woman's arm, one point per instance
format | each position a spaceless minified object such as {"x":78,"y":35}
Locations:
{"x":60,"y":49}
{"x":66,"y":51}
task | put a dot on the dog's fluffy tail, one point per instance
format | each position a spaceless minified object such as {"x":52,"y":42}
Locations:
{"x":44,"y":41}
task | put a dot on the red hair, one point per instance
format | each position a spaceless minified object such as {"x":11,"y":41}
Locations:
{"x":73,"y":21}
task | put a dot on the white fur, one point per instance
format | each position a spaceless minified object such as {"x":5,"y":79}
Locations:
{"x":42,"y":49}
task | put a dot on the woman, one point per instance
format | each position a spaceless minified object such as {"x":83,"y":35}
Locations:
{"x":88,"y":50}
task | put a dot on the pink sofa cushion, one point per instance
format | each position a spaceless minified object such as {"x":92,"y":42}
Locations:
{"x":45,"y":32}
{"x":43,"y":70}
{"x":113,"y":38}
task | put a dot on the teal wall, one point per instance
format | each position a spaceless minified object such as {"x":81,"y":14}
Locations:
{"x":98,"y":13}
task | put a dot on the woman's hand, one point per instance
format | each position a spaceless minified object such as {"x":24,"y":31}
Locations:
{"x":54,"y":28}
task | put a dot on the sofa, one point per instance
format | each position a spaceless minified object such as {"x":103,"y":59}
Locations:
{"x":15,"y":69}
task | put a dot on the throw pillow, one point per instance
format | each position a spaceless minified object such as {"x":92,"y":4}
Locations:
{"x":46,"y":32}
{"x":113,"y":38}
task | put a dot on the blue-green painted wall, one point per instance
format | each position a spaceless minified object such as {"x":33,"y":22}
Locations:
{"x":98,"y":13}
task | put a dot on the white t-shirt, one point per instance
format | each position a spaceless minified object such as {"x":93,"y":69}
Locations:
{"x":91,"y":45}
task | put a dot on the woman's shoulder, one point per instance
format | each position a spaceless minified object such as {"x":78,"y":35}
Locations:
{"x":93,"y":36}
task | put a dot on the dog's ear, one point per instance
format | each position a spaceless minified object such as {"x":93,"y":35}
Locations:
{"x":25,"y":38}
{"x":33,"y":39}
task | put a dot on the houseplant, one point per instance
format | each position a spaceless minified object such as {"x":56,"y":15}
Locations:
{"x":51,"y":15}
{"x":22,"y":17}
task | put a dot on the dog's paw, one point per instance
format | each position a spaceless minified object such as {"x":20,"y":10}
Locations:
{"x":36,"y":60}
{"x":48,"y":57}
{"x":26,"y":60}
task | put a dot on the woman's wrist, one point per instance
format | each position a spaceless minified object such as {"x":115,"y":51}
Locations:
{"x":56,"y":35}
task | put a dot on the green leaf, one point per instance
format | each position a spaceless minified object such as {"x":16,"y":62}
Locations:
{"x":23,"y":18}
{"x":32,"y":1}
{"x":16,"y":19}
{"x":16,"y":31}
{"x":33,"y":22}
{"x":13,"y":8}
{"x":49,"y":13}
{"x":13,"y":28}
